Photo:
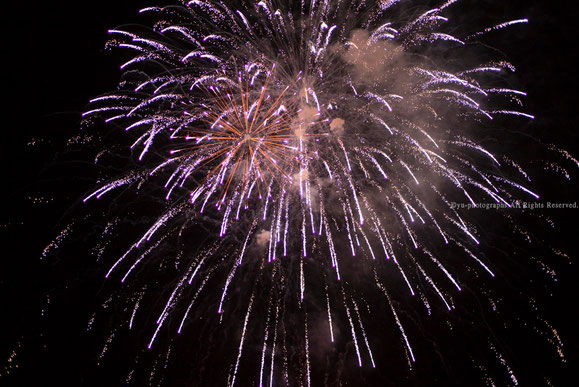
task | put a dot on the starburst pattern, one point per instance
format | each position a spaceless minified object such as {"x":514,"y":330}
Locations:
{"x":322,"y":144}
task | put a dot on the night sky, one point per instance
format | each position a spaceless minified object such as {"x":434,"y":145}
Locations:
{"x":55,"y":61}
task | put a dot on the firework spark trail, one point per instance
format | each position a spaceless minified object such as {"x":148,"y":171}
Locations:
{"x":274,"y":345}
{"x":329,"y":315}
{"x":314,"y":116}
{"x":364,"y":333}
{"x":408,"y":347}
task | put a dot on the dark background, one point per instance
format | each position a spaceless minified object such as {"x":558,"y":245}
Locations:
{"x":54,"y":62}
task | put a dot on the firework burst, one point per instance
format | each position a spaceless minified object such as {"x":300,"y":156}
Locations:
{"x":324,"y":147}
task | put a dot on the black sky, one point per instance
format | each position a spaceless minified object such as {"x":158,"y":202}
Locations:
{"x":54,"y":62}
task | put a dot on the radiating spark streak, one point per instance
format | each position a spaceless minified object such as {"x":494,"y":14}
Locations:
{"x":518,"y":186}
{"x":329,"y":314}
{"x":266,"y":335}
{"x":475,"y":258}
{"x":497,"y":27}
{"x":431,"y":282}
{"x":410,"y":172}
{"x":302,"y":280}
{"x":364,"y":333}
{"x":441,"y":266}
{"x":241,"y":342}
{"x":513,"y":113}
{"x":135,"y":309}
{"x":134,"y":265}
{"x":353,"y":331}
{"x":307,"y":342}
{"x":379,"y":99}
{"x":274,"y":346}
{"x":193,"y":300}
{"x":398,"y":323}
{"x":227,"y":283}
